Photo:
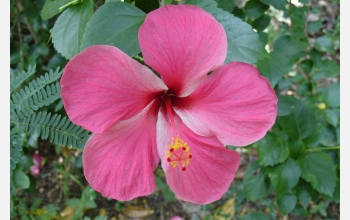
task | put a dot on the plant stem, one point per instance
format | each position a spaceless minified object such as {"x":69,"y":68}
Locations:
{"x":323,"y":148}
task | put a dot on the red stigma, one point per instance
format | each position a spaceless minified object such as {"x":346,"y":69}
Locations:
{"x":190,"y":156}
{"x":183,"y":148}
{"x":168,"y":159}
{"x":183,"y":168}
{"x":171,"y":149}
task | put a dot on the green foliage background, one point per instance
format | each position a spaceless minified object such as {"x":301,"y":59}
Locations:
{"x":292,"y":44}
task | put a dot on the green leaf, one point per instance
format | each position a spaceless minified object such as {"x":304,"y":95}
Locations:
{"x":73,"y":202}
{"x":244,"y":44}
{"x":287,"y":203}
{"x":21,"y":179}
{"x":331,"y":117}
{"x":285,"y":54}
{"x":15,"y":148}
{"x":336,"y":194}
{"x":306,"y":66}
{"x":285,"y":105}
{"x":25,"y":162}
{"x":168,"y":194}
{"x":298,"y":33}
{"x":284,"y":176}
{"x":239,"y":13}
{"x":328,"y":136}
{"x":256,"y":183}
{"x":271,"y":150}
{"x":226,"y":5}
{"x":263,"y":37}
{"x":326,"y":68}
{"x":52,"y":8}
{"x":88,"y":194}
{"x":296,"y":148}
{"x":300,"y":211}
{"x":289,"y":46}
{"x":298,"y":16}
{"x":304,"y":193}
{"x":318,"y":169}
{"x":27,"y":101}
{"x":314,"y":139}
{"x":274,"y":67}
{"x":116,"y":24}
{"x":300,"y":124}
{"x":314,"y":26}
{"x":18,"y":80}
{"x":254,"y":9}
{"x":261,"y":23}
{"x":324,"y":44}
{"x":147,"y":5}
{"x":59,"y":131}
{"x":278,"y":4}
{"x":331,"y":95}
{"x":69,"y":28}
{"x":254,"y":216}
{"x":89,"y":204}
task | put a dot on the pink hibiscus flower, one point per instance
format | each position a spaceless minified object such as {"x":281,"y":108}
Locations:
{"x":184,"y":118}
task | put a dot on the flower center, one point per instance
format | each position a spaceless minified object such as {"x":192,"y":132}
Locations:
{"x":179,"y":153}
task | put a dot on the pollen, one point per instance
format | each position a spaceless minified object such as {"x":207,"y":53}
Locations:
{"x":179,"y":154}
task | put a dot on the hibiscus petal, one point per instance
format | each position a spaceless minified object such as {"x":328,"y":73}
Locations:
{"x":235,"y":103}
{"x":120,"y":162}
{"x":211,"y":169}
{"x":182,"y":43}
{"x":102,"y":85}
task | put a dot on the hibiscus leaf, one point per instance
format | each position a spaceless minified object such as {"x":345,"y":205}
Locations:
{"x":254,"y":9}
{"x":278,"y":4}
{"x":287,"y":203}
{"x":285,"y":105}
{"x":52,"y":8}
{"x":243,"y":43}
{"x":326,"y":68}
{"x":281,"y":60}
{"x":284,"y":176}
{"x":296,"y":148}
{"x":305,"y":192}
{"x":70,"y":27}
{"x":21,"y":179}
{"x":262,"y":22}
{"x":256,"y":183}
{"x":331,"y":95}
{"x":116,"y":24}
{"x":318,"y":169}
{"x":272,"y":150}
{"x":254,"y":216}
{"x":300,"y":124}
{"x":226,"y":5}
{"x":274,"y":67}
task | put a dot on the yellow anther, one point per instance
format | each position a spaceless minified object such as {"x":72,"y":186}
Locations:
{"x":178,"y":153}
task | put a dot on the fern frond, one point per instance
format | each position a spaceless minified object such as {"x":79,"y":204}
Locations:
{"x":34,"y":87}
{"x":18,"y":80}
{"x":22,"y":104}
{"x":15,"y":148}
{"x":60,"y":131}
